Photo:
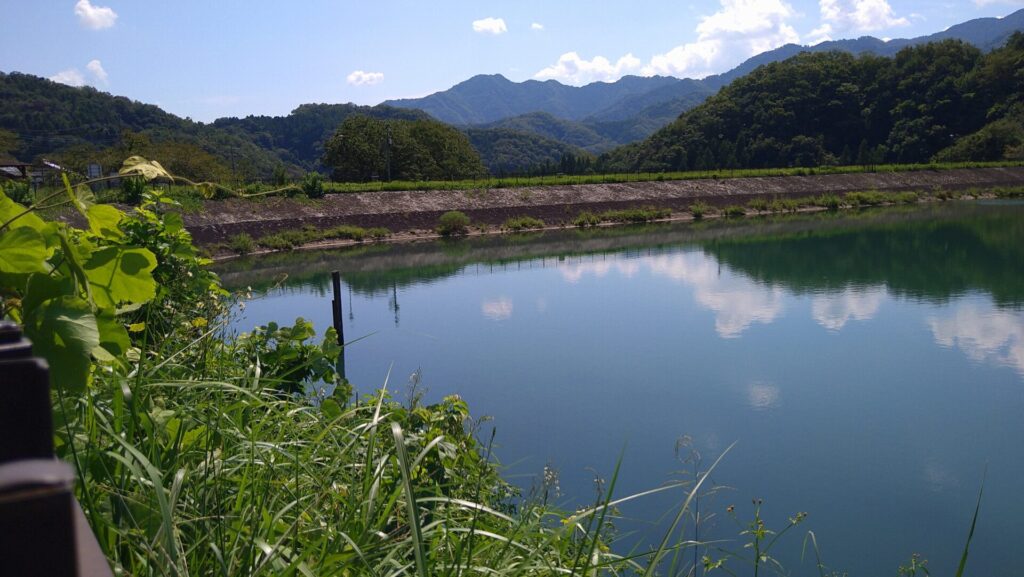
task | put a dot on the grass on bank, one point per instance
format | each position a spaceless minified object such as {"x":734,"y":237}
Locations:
{"x":563,"y":180}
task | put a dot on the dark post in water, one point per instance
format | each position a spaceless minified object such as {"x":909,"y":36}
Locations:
{"x":339,"y":327}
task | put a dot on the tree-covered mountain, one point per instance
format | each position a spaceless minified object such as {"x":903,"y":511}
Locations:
{"x":299,"y":137}
{"x":985,"y":34}
{"x":505,"y":151}
{"x":545,"y":125}
{"x":365,"y":148}
{"x":82,"y":125}
{"x":491,"y":97}
{"x":633,"y":108}
{"x":944,"y":99}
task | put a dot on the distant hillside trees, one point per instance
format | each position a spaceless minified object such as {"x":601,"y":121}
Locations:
{"x":365,"y":148}
{"x":943,"y":100}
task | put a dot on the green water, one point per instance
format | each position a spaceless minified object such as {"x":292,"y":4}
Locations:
{"x":868,"y":365}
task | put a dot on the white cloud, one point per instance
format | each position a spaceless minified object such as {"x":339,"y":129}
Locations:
{"x":993,"y":336}
{"x":571,"y":69}
{"x":497,"y":309}
{"x":71,"y":77}
{"x":537,"y":26}
{"x":820,"y":34}
{"x":739,"y":30}
{"x":859,"y":15}
{"x":833,"y":311}
{"x":361,"y":78}
{"x":95,"y":17}
{"x":96,"y":68}
{"x":490,"y":26}
{"x":573,"y":273}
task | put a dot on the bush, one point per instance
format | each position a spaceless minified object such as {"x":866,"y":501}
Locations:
{"x":585,"y":219}
{"x":699,"y":209}
{"x":313,"y":185}
{"x":132,"y":190}
{"x":242,"y":243}
{"x":453,"y":223}
{"x":378,"y":232}
{"x":522,"y":223}
{"x":829,"y":201}
{"x":644,"y":214}
{"x":733,"y":211}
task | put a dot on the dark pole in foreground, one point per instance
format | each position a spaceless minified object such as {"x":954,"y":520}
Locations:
{"x":42,"y":528}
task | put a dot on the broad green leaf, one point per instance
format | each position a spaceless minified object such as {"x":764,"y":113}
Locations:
{"x":330,"y":408}
{"x":11,"y":210}
{"x":104,"y":220}
{"x":63,"y":331}
{"x":44,"y":287}
{"x":148,"y":169}
{"x":118,"y":275}
{"x":114,"y":339}
{"x":173,"y":222}
{"x":23,"y":251}
{"x":81,"y":196}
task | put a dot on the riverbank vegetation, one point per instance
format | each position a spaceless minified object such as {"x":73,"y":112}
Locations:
{"x":202,"y":453}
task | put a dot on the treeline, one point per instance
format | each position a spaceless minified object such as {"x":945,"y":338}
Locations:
{"x":944,"y":101}
{"x":364,"y":148}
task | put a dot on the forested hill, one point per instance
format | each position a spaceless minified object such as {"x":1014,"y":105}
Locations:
{"x":945,"y":101}
{"x":82,"y":125}
{"x":299,"y":137}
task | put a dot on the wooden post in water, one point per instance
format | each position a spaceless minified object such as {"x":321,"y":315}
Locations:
{"x":336,"y":306}
{"x":339,"y":325}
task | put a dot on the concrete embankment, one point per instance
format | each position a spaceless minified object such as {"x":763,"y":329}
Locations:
{"x":419,"y":210}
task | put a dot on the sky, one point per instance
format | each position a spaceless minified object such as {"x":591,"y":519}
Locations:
{"x":214,"y":58}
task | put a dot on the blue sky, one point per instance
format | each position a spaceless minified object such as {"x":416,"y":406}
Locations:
{"x":220,"y":58}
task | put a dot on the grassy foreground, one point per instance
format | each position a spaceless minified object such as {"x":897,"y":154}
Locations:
{"x":198,"y":453}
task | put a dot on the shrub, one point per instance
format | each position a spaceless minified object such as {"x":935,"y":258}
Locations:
{"x":453,"y":223}
{"x":378,"y":232}
{"x":758,"y":204}
{"x":644,"y":214}
{"x":313,"y":185}
{"x":522,"y":223}
{"x":132,"y":190}
{"x":829,"y":201}
{"x":242,"y":243}
{"x":585,"y":219}
{"x":732,"y":211}
{"x":699,"y":209}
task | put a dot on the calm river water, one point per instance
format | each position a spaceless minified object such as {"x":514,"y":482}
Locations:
{"x":869,"y":366}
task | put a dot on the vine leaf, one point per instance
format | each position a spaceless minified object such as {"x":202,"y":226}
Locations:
{"x":114,"y":340}
{"x":10,"y":210}
{"x":147,"y":169}
{"x":64,"y":332}
{"x":81,"y":196}
{"x":23,"y":250}
{"x":104,"y":221}
{"x":117,"y":275}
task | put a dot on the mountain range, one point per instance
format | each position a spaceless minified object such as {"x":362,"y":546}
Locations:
{"x":516,"y":126}
{"x":632,"y":108}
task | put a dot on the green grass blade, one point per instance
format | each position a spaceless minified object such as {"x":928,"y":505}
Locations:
{"x":410,"y":501}
{"x":970,"y":534}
